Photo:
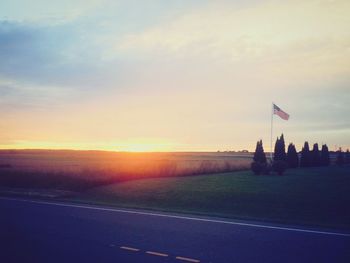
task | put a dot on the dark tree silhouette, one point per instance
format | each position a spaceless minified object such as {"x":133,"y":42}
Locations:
{"x":292,"y":156}
{"x":315,"y":156}
{"x":259,"y":164}
{"x":280,"y":164}
{"x":276,"y":150}
{"x":280,"y":149}
{"x":259,"y":155}
{"x":325,"y":159}
{"x":279,"y":167}
{"x":340,"y":157}
{"x":305,"y":156}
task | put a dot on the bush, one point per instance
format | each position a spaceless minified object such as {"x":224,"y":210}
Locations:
{"x":279,"y":167}
{"x":257,"y":167}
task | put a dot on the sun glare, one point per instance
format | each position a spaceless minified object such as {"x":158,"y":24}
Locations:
{"x":144,"y":145}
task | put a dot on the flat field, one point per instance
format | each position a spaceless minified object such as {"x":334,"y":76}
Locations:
{"x":79,"y":170}
{"x":308,"y":196}
{"x":213,"y":184}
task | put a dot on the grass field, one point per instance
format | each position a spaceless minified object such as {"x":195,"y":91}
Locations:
{"x":310,"y":196}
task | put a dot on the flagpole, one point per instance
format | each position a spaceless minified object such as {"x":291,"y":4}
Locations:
{"x":271,"y":133}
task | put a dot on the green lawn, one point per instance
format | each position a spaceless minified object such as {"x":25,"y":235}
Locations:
{"x":309,"y":196}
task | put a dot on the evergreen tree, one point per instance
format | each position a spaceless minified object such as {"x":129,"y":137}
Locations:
{"x":292,"y":156}
{"x":256,"y":153}
{"x":276,"y":150}
{"x":259,"y":164}
{"x":315,"y":156}
{"x":325,"y":159}
{"x":259,"y":155}
{"x":283,"y":148}
{"x":340,"y":157}
{"x":280,"y":149}
{"x":347,"y":156}
{"x":305,"y":156}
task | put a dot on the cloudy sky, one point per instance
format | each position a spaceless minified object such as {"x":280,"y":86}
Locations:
{"x":173,"y":75}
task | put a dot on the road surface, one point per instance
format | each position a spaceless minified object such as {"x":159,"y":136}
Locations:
{"x":39,"y":231}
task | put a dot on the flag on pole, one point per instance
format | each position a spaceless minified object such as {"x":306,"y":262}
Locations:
{"x":277,"y":110}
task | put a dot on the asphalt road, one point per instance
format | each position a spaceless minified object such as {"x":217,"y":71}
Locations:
{"x":37,"y":231}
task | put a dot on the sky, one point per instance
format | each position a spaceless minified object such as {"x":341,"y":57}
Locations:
{"x":177,"y":75}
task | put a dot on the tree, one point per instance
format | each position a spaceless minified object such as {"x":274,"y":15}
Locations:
{"x":340,"y":157}
{"x":259,"y":164}
{"x":292,"y":156}
{"x":325,"y":159}
{"x":280,"y":158}
{"x":276,"y":150}
{"x":279,"y":167}
{"x":315,"y":156}
{"x":305,"y":156}
{"x":259,"y":155}
{"x":280,"y":149}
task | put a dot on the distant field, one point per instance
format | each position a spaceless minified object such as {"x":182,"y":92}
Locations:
{"x":79,"y":170}
{"x":311,"y":196}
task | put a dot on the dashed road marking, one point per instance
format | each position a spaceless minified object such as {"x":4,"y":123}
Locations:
{"x":188,"y":259}
{"x":156,"y":254}
{"x":129,"y":248}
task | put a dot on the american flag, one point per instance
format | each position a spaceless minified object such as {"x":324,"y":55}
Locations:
{"x":277,"y":110}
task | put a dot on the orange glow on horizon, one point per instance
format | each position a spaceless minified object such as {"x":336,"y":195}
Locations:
{"x":130,"y":145}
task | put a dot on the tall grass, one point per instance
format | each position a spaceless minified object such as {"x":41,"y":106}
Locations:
{"x":80,"y":170}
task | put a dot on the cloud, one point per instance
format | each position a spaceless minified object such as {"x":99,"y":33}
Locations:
{"x":52,"y":55}
{"x":22,"y":48}
{"x":309,"y":36}
{"x":198,"y":74}
{"x":21,"y":96}
{"x":46,"y":11}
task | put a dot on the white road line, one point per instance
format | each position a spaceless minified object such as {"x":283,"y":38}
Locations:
{"x":129,"y":248}
{"x":183,"y":217}
{"x":188,"y":259}
{"x":156,"y":254}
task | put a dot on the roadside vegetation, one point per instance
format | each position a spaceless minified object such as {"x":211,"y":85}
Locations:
{"x":81,"y":170}
{"x":315,"y":196}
